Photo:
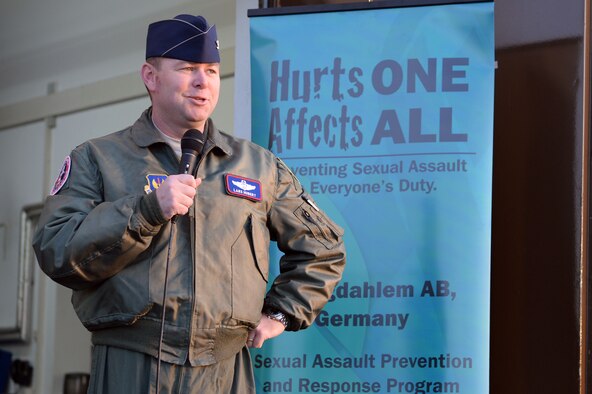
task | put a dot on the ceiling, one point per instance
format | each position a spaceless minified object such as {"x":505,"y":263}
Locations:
{"x":44,"y":39}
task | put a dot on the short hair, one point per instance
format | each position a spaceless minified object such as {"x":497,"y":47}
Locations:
{"x":154,"y":61}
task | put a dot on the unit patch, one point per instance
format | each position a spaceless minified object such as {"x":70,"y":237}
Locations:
{"x":154,"y":181}
{"x":243,"y":187}
{"x":62,"y":176}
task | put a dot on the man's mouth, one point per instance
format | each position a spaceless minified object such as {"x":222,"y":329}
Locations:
{"x":197,"y":99}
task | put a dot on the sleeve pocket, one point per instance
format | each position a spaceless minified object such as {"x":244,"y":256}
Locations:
{"x":321,"y":227}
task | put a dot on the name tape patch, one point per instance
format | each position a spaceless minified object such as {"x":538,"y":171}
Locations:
{"x":243,"y":187}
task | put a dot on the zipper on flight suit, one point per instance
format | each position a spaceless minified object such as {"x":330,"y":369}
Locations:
{"x":193,"y":226}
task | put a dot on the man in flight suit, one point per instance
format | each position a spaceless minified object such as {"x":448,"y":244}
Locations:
{"x":120,"y":210}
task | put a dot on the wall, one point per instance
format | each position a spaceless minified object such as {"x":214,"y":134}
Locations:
{"x":539,"y":177}
{"x":72,"y":44}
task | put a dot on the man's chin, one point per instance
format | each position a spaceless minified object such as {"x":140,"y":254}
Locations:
{"x":196,"y":123}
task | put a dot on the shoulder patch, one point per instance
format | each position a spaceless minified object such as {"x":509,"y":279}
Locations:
{"x":239,"y":186}
{"x":154,"y":181}
{"x":62,"y":176}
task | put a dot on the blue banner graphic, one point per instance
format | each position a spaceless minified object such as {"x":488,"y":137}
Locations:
{"x":386,"y":116}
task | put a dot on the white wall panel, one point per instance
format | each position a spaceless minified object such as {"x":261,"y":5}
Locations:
{"x":21,"y":180}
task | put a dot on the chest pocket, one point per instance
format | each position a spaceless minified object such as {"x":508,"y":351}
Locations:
{"x":250,"y":271}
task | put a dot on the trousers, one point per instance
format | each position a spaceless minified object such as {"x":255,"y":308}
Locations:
{"x":120,"y":371}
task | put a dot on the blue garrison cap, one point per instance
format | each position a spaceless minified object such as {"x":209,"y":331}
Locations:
{"x":185,"y":37}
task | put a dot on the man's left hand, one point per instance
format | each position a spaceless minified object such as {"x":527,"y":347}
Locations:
{"x":267,"y":329}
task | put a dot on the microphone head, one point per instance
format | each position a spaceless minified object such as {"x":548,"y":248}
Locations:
{"x":192,"y":140}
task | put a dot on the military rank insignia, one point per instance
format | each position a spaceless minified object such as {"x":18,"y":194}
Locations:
{"x":154,"y":181}
{"x":243,"y":187}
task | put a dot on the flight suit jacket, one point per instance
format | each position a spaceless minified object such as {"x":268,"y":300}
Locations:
{"x":103,"y":235}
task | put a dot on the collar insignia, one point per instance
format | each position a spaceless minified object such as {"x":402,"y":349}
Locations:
{"x":154,"y":181}
{"x":238,"y":186}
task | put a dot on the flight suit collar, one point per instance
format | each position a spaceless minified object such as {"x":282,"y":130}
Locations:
{"x":144,"y":134}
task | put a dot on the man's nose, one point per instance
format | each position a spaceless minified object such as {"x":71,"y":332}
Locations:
{"x":199,"y":78}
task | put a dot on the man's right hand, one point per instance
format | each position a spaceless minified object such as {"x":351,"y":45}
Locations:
{"x":175,"y":195}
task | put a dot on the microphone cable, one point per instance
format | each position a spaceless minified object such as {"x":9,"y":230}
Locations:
{"x":164,"y":296}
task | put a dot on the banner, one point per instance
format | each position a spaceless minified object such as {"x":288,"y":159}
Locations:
{"x":386,"y":116}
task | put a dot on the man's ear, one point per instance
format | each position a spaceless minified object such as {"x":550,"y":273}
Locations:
{"x":148,"y":74}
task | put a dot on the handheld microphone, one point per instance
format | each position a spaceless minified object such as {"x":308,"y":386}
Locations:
{"x":192,"y":145}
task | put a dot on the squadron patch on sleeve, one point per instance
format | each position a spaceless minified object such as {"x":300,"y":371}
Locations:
{"x":154,"y":181}
{"x":243,"y":187}
{"x":62,"y":176}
